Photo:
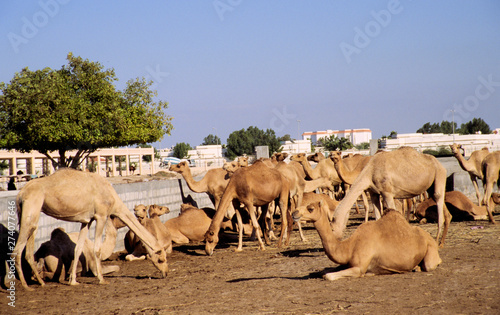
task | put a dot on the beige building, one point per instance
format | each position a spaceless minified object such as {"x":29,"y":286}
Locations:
{"x":355,"y":136}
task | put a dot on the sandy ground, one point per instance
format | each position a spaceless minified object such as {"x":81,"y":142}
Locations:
{"x":283,"y":281}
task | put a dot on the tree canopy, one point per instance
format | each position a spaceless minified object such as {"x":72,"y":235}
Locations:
{"x":446,"y":127}
{"x":244,"y":141}
{"x":77,"y":108}
{"x":181,"y":150}
{"x":211,"y":140}
{"x":333,"y":143}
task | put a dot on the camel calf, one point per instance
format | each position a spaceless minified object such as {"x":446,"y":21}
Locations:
{"x":389,"y":245}
{"x":55,"y":256}
{"x":154,"y":225}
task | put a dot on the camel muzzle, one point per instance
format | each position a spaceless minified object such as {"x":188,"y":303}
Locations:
{"x":296,"y":216}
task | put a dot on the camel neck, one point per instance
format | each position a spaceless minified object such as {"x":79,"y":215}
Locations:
{"x":334,"y":248}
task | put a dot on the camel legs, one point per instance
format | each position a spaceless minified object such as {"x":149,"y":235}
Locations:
{"x":78,"y":251}
{"x":355,"y":272}
{"x":431,"y":259}
{"x":473,"y":178}
{"x":240,"y":231}
{"x":488,"y":185}
{"x":97,"y":254}
{"x":29,"y":214}
{"x":255,"y":223}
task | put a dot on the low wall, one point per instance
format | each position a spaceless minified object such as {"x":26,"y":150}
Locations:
{"x":168,"y":193}
{"x":160,"y":192}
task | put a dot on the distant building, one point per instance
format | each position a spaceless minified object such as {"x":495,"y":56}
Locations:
{"x":201,"y":156}
{"x":355,"y":136}
{"x":297,"y":146}
{"x":435,"y":141}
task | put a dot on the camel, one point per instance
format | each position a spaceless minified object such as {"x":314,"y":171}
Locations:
{"x":388,"y":245}
{"x":189,"y":226}
{"x":154,"y":225}
{"x":309,"y":198}
{"x":461,"y":207}
{"x":76,"y":196}
{"x":491,"y":173}
{"x":402,"y":173}
{"x":472,"y":165}
{"x":348,"y":171}
{"x":324,"y":168}
{"x":54,"y":257}
{"x":316,"y":157}
{"x":213,"y":183}
{"x":254,"y":186}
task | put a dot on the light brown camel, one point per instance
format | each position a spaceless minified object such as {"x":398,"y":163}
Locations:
{"x":461,"y":207}
{"x":213,"y":183}
{"x":189,"y":226}
{"x":402,"y":173}
{"x":472,"y":165}
{"x":316,"y":157}
{"x":154,"y":225}
{"x":76,"y":196}
{"x":491,"y":173}
{"x":324,"y":168}
{"x":55,"y":256}
{"x":254,"y":186}
{"x":388,"y":245}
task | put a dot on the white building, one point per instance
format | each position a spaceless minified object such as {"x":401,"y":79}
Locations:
{"x":297,"y":146}
{"x":355,"y":136}
{"x":435,"y":141}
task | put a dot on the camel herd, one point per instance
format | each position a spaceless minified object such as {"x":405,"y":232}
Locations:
{"x":254,"y":194}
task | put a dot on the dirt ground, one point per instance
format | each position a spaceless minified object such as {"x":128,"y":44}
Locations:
{"x":283,"y":281}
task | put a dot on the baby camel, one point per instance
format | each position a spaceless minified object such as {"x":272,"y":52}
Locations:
{"x":154,"y":225}
{"x":389,"y":245}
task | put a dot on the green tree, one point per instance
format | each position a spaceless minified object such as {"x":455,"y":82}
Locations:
{"x":286,"y":137}
{"x":147,"y":158}
{"x":363,"y":146}
{"x":211,"y":139}
{"x":181,"y":150}
{"x":333,"y":143}
{"x":244,"y":141}
{"x":474,"y":126}
{"x":77,"y":108}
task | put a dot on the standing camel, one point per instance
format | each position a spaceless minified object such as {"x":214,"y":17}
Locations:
{"x":491,"y":173}
{"x":254,"y":186}
{"x":403,"y":173}
{"x":76,"y":196}
{"x":473,"y":165}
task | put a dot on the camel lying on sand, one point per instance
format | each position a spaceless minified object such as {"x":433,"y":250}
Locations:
{"x":55,"y":256}
{"x":154,"y":225}
{"x":76,"y":196}
{"x":189,"y":226}
{"x":461,"y":207}
{"x":388,"y":245}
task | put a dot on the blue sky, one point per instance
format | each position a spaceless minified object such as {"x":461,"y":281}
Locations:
{"x":225,"y":65}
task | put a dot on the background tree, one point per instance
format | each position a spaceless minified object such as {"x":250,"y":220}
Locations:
{"x":363,"y":146}
{"x":181,"y":150}
{"x":244,"y":141}
{"x":147,"y":158}
{"x":211,"y":140}
{"x":474,"y":126}
{"x":333,"y":143}
{"x":393,"y":135}
{"x":286,"y":137}
{"x":77,"y":108}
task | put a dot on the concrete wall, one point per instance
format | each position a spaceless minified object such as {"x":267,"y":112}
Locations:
{"x":168,"y":193}
{"x":164,"y":193}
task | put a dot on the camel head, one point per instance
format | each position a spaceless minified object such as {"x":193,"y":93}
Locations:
{"x":159,"y":260}
{"x":280,"y":156}
{"x":335,"y":156}
{"x":455,"y":148}
{"x":140,"y":212}
{"x":311,"y":212}
{"x":156,"y":210}
{"x":300,"y":157}
{"x":179,"y":168}
{"x":231,"y":167}
{"x":211,"y":240}
{"x":243,"y":161}
{"x":496,"y":198}
{"x":316,"y":157}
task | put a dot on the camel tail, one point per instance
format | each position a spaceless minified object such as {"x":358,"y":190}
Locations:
{"x":341,"y":214}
